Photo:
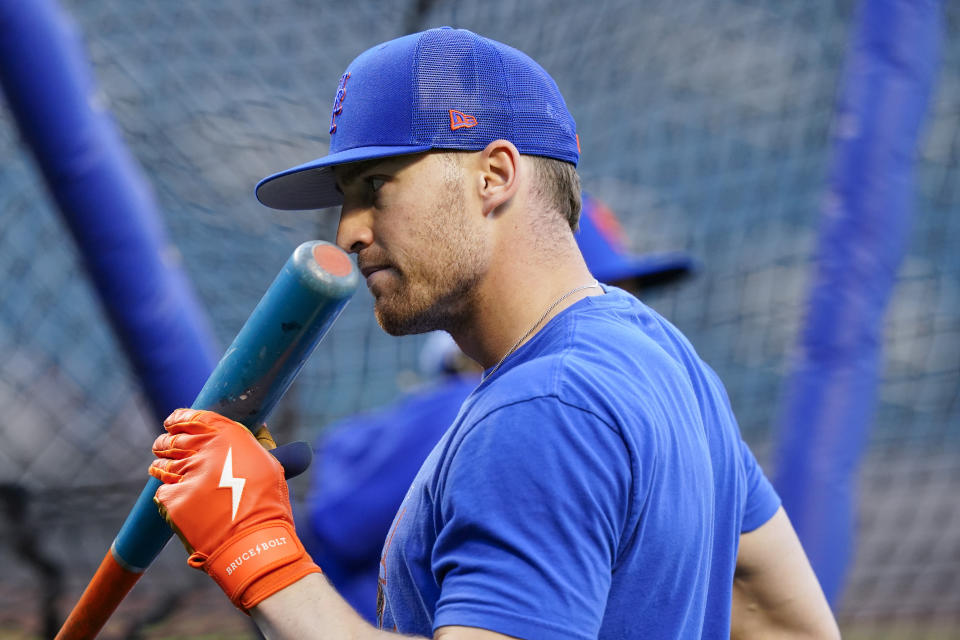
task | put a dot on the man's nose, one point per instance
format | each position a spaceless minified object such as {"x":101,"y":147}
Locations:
{"x":355,"y":231}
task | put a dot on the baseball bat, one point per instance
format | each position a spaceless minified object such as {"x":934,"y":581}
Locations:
{"x":293,"y":316}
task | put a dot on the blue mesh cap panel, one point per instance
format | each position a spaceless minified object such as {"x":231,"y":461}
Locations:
{"x":378,"y":98}
{"x":509,"y":94}
{"x":542,"y":121}
{"x":458,"y":70}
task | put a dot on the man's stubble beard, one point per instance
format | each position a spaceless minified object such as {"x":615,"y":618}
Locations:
{"x":438,"y":290}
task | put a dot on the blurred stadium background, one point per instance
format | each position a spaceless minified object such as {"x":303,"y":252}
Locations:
{"x":706,"y":127}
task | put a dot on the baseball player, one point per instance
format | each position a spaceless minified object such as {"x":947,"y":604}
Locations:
{"x":365,"y":463}
{"x":593,"y":485}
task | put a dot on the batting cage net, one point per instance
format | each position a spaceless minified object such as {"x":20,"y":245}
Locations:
{"x":708,"y":127}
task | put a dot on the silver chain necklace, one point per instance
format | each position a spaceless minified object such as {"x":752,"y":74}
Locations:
{"x":537,"y":323}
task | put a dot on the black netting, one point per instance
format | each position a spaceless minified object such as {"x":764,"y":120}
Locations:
{"x":704,"y":125}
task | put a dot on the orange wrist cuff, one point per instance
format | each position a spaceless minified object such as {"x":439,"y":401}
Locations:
{"x":257,"y":563}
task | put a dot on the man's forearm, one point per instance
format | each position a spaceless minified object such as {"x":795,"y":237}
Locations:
{"x":310,"y":609}
{"x":775,"y":592}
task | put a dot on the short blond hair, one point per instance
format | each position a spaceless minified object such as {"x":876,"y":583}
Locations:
{"x":557,"y":183}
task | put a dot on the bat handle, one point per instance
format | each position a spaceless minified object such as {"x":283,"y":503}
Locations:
{"x":143,"y":534}
{"x":142,"y":537}
{"x":107,"y":589}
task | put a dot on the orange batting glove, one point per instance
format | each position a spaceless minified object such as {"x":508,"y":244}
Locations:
{"x":226,"y":498}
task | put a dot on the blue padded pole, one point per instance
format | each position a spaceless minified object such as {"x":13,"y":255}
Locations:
{"x":830,"y":395}
{"x":105,"y":202}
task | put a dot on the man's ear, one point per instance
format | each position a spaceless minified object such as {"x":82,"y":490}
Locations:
{"x":497,"y":179}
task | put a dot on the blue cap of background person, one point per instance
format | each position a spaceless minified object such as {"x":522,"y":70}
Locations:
{"x":603,"y":245}
{"x":439,"y":89}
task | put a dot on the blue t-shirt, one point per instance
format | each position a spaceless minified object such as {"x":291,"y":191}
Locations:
{"x":595,"y":486}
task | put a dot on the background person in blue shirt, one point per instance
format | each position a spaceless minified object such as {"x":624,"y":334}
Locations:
{"x":364,"y":464}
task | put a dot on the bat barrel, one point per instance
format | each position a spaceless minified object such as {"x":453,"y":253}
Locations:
{"x":294,"y":314}
{"x":298,"y":309}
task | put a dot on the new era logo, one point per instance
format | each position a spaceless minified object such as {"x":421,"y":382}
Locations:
{"x":459,"y":120}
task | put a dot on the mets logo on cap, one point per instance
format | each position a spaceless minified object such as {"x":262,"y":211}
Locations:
{"x":338,"y":101}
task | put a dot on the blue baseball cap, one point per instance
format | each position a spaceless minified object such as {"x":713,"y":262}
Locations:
{"x":439,"y":89}
{"x":603,"y":244}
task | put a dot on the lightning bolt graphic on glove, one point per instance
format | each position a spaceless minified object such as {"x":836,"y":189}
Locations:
{"x":235,"y":484}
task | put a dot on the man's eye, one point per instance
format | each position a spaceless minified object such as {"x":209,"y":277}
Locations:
{"x":376,"y":183}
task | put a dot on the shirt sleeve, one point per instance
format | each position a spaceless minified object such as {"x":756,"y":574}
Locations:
{"x":762,"y":498}
{"x":532,"y":506}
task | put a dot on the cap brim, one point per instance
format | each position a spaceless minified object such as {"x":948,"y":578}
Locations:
{"x":650,"y":269}
{"x":312,"y":185}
